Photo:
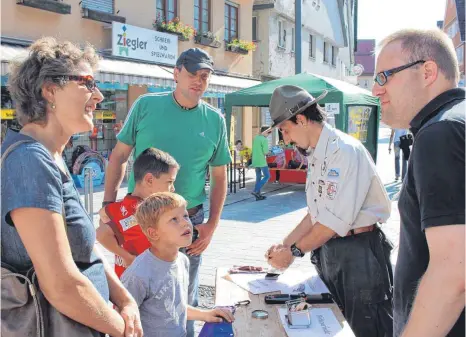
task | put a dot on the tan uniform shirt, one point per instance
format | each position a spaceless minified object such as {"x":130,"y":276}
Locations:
{"x":343,"y":189}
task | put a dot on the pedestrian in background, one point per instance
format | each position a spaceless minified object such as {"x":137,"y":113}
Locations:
{"x":260,"y":148}
{"x":395,"y":139}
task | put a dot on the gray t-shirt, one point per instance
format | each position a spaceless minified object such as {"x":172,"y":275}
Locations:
{"x":160,"y":289}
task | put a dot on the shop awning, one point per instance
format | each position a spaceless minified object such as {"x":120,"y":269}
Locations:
{"x":125,"y":72}
{"x":135,"y":73}
{"x":113,"y":71}
{"x":8,"y":54}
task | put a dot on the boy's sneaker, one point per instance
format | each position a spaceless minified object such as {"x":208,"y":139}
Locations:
{"x":276,"y":182}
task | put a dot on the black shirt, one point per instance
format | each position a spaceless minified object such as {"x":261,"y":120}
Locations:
{"x":432,"y":195}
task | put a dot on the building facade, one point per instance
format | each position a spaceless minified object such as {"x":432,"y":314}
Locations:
{"x":365,"y":56}
{"x":327,"y":38}
{"x":127,"y":70}
{"x":327,"y":41}
{"x":453,"y":25}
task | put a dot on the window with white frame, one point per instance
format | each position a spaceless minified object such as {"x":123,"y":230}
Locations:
{"x":292,"y":39}
{"x":452,"y":30}
{"x":312,"y":46}
{"x":281,"y":34}
{"x":326,"y":52}
{"x":334,"y":55}
{"x":460,"y":53}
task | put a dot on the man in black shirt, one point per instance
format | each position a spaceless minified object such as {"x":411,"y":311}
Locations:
{"x":416,"y":81}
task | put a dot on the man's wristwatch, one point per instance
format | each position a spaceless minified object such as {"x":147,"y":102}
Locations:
{"x":295,"y":251}
{"x":105,"y":203}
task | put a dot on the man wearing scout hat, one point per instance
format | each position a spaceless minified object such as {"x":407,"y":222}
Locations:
{"x":346,"y":200}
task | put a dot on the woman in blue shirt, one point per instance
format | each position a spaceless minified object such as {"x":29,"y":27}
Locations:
{"x":55,"y":95}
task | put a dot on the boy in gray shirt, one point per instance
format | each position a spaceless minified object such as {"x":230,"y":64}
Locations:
{"x":158,"y":279}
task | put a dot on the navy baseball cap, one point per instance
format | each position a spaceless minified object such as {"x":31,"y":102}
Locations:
{"x":194,"y":59}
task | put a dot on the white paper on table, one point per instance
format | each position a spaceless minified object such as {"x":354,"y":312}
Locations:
{"x":323,"y":324}
{"x":290,"y":282}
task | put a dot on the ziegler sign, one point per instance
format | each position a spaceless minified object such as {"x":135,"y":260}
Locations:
{"x":144,"y":44}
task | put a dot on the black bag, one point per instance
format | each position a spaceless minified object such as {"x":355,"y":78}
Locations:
{"x":292,"y":164}
{"x":405,"y":142}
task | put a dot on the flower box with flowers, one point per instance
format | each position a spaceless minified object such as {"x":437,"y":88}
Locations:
{"x":240,"y":46}
{"x":176,"y":27}
{"x":180,"y":35}
{"x":207,"y":39}
{"x":238,"y":50}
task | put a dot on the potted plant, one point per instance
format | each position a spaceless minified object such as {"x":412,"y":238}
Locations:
{"x":240,"y":46}
{"x":207,"y":39}
{"x":176,"y":27}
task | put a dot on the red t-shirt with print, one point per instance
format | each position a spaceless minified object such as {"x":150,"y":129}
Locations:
{"x":127,"y":232}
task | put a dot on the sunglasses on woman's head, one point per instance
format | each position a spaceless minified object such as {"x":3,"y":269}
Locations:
{"x":87,"y":80}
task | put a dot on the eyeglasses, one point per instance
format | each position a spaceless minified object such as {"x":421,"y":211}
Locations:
{"x":87,"y":80}
{"x":382,"y":77}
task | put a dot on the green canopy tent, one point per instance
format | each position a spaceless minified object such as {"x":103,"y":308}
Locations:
{"x":355,"y":110}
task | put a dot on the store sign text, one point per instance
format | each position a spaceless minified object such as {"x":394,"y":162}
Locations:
{"x":144,"y":44}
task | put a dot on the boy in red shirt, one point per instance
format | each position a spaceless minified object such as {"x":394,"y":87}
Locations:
{"x":154,"y":171}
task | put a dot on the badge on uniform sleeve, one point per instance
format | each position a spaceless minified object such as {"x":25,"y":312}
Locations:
{"x":333,"y":173}
{"x":332,"y":189}
{"x":321,"y":186}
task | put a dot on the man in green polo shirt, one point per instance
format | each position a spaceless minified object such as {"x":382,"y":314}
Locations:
{"x":194,"y":133}
{"x":260,"y":148}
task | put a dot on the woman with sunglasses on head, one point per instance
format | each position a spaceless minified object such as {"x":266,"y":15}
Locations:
{"x":44,"y":224}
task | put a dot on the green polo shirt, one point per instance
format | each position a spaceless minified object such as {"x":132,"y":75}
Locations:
{"x":196,"y":138}
{"x":260,"y":147}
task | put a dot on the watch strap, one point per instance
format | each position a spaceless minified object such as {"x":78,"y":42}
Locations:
{"x":295,"y":251}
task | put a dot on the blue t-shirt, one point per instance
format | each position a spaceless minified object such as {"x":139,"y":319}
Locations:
{"x":30,"y":178}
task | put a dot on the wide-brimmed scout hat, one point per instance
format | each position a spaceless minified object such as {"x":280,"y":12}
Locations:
{"x":288,"y":101}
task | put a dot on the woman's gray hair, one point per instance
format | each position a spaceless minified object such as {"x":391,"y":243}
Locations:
{"x":428,"y":45}
{"x":46,"y":60}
